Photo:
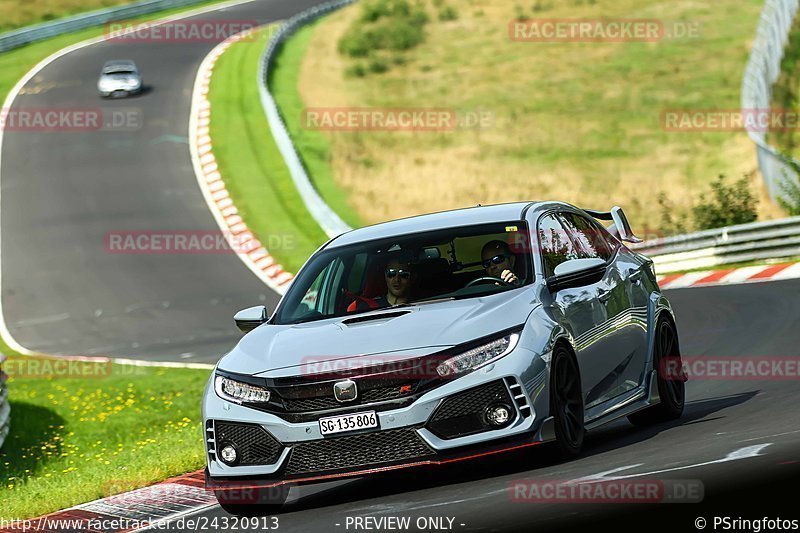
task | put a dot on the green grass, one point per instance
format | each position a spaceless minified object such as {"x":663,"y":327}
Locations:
{"x":77,"y":439}
{"x":15,"y":14}
{"x":250,"y":163}
{"x":313,"y":146}
{"x":579,"y":122}
{"x":96,"y":432}
{"x":16,"y":63}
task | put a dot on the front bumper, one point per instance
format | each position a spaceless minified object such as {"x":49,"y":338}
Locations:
{"x":468,"y":453}
{"x":411,"y":436}
{"x":121,"y":91}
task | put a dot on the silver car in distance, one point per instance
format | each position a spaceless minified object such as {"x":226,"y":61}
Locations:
{"x":442,"y":338}
{"x":119,"y":78}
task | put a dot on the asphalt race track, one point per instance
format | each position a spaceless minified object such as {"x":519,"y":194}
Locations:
{"x":743,"y":437}
{"x":62,"y":292}
{"x":64,"y":191}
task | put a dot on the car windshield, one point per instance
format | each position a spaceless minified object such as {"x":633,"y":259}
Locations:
{"x":452,"y":263}
{"x":119,"y":70}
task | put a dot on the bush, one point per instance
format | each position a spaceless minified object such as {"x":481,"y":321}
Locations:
{"x":375,"y":9}
{"x":727,"y":205}
{"x":448,"y":13}
{"x":356,"y":43}
{"x":671,"y":223}
{"x":378,"y":65}
{"x":400,"y":36}
{"x":384,"y":25}
{"x":356,"y":71}
{"x":538,"y":6}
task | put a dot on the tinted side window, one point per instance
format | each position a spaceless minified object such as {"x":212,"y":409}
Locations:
{"x":606,"y":242}
{"x":554,"y":243}
{"x":589,"y":242}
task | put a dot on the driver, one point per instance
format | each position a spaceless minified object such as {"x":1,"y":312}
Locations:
{"x":498,"y":261}
{"x":400,"y":280}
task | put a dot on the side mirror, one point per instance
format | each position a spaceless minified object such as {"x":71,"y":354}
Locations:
{"x":250,"y":318}
{"x":576,"y":273}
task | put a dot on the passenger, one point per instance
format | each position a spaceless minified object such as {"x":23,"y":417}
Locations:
{"x":498,"y":261}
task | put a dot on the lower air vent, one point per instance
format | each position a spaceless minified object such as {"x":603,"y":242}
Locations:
{"x":465,"y":413}
{"x":254,"y":445}
{"x":356,"y":451}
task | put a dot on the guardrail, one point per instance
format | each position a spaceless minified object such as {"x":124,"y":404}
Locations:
{"x":763,"y":69}
{"x":46,"y":30}
{"x":774,"y":239}
{"x":327,"y":219}
{"x":5,"y":408}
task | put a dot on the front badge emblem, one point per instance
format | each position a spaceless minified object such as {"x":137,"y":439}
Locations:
{"x":345,"y":391}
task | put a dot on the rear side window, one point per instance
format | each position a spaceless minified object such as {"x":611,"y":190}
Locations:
{"x":587,"y":237}
{"x":555,"y":245}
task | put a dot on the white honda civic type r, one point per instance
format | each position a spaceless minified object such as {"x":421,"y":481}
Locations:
{"x":442,"y":337}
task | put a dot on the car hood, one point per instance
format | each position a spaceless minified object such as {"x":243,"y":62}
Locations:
{"x":119,"y":79}
{"x":402,"y":333}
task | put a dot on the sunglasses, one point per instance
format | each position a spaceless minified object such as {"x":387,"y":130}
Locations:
{"x":392,"y":272}
{"x":496,"y":260}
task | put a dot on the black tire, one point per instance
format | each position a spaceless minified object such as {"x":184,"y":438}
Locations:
{"x":270,"y":502}
{"x":671,"y":384}
{"x":566,"y":403}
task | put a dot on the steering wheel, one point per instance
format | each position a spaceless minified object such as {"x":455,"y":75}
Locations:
{"x":487,"y":279}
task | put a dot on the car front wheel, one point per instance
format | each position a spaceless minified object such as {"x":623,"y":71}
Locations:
{"x":566,"y":403}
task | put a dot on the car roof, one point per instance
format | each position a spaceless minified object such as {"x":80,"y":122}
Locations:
{"x":479,"y":214}
{"x":118,"y":63}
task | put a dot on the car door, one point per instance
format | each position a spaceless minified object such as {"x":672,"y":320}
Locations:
{"x":577,"y":309}
{"x":634,"y":276}
{"x":624,"y":348}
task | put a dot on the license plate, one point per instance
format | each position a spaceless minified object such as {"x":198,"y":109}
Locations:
{"x":353,"y":422}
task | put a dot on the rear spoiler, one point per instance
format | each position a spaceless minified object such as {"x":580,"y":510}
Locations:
{"x":620,"y":227}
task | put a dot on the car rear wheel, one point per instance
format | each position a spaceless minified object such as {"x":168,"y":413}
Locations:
{"x":566,"y":403}
{"x":669,"y":376}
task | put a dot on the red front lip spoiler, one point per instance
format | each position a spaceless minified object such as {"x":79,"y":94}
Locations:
{"x":234,"y":484}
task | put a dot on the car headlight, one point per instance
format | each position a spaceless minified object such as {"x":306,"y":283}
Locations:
{"x":239,"y":392}
{"x":478,"y":357}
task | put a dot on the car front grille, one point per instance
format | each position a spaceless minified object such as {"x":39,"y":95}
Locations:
{"x":253,"y":443}
{"x":356,"y":451}
{"x":463,"y":413}
{"x":321,"y":403}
